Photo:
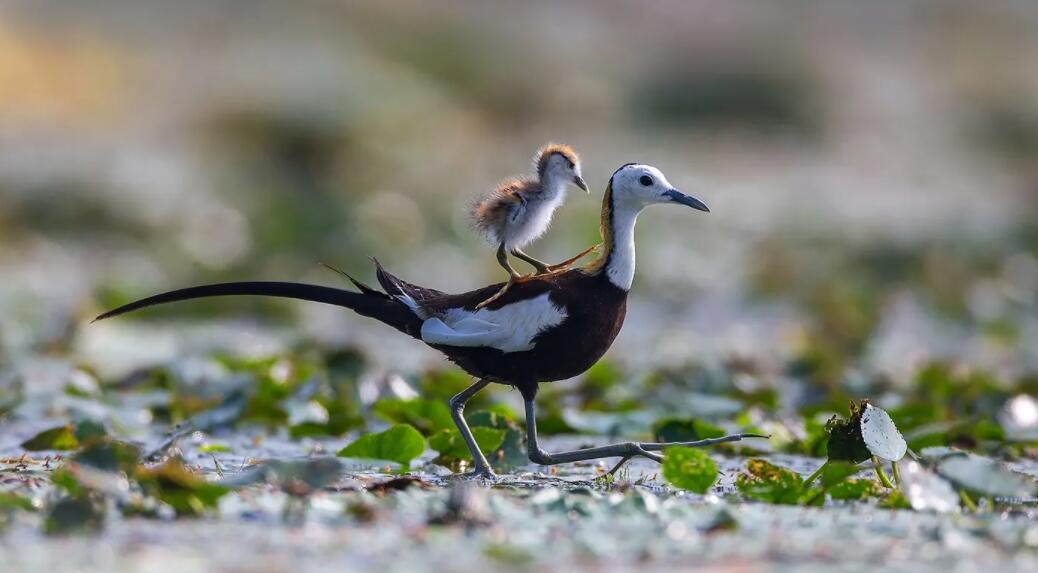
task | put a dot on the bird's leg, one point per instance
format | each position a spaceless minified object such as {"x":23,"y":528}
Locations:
{"x":480,"y":465}
{"x":568,"y":262}
{"x":539,"y":456}
{"x":624,"y":450}
{"x":541,"y":266}
{"x":513,"y":277}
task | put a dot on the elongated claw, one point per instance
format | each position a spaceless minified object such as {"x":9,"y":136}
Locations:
{"x":658,"y":446}
{"x":569,"y":262}
{"x":511,"y":281}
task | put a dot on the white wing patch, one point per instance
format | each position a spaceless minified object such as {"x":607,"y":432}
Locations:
{"x":511,"y":328}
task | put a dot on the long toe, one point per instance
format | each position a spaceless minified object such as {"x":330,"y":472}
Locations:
{"x":486,"y":475}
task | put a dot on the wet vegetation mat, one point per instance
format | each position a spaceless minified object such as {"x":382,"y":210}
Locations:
{"x":303,"y":459}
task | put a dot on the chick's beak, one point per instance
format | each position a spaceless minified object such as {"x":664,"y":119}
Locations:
{"x":679,"y":197}
{"x":579,"y":182}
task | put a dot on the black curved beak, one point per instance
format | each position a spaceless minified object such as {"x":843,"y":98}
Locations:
{"x":579,"y":182}
{"x":679,"y":197}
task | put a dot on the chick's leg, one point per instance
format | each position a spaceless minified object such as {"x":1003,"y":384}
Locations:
{"x":541,"y":266}
{"x":502,"y":259}
{"x":566,"y":263}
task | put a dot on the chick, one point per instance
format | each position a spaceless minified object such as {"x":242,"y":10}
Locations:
{"x":519,"y":211}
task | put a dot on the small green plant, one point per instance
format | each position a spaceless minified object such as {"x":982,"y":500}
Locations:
{"x":401,"y":443}
{"x":689,"y":468}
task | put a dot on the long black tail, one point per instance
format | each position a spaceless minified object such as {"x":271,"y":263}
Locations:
{"x":369,"y":303}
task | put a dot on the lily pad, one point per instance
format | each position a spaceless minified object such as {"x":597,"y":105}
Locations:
{"x":984,"y":476}
{"x":182,"y":489}
{"x":401,"y":443}
{"x":427,"y":416}
{"x":451,"y":446}
{"x":80,"y":514}
{"x":764,"y":481}
{"x":689,"y":468}
{"x":109,"y":456}
{"x":59,"y":438}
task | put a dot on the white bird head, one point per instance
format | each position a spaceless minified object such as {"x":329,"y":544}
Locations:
{"x":638,"y":186}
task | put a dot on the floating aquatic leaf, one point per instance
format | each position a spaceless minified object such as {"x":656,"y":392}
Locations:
{"x":833,"y":480}
{"x":80,"y":514}
{"x":428,"y":416}
{"x":836,"y":472}
{"x":984,"y":476}
{"x":925,"y":490}
{"x":451,"y":446}
{"x":855,"y":489}
{"x":880,"y":435}
{"x":689,"y":468}
{"x":769,"y":483}
{"x":401,"y":443}
{"x":895,"y":500}
{"x":188,"y":493}
{"x":59,"y":438}
{"x":11,"y":501}
{"x":684,"y":430}
{"x":110,"y":456}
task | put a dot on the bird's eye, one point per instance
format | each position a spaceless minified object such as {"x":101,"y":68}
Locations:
{"x":646,"y":180}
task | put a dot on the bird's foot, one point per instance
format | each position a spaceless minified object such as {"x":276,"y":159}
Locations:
{"x":512,"y":279}
{"x":484,"y":474}
{"x":568,"y":262}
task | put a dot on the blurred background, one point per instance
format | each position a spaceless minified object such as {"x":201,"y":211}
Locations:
{"x":871,"y":170}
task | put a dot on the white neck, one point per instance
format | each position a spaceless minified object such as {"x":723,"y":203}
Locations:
{"x":553,"y":186}
{"x":620,"y":268}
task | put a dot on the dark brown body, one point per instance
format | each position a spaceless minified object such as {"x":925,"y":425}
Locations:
{"x":595,"y":310}
{"x":595,"y":307}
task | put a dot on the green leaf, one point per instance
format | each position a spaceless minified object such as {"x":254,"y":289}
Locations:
{"x":684,"y":430}
{"x":895,"y":500}
{"x":769,"y":483}
{"x":428,"y":416}
{"x":110,"y":456}
{"x":500,"y":418}
{"x":451,"y":446}
{"x":401,"y":443}
{"x":855,"y":490}
{"x":837,"y":472}
{"x":82,"y":514}
{"x":59,"y":438}
{"x":182,"y":489}
{"x":214,"y":449}
{"x":12,"y":501}
{"x":689,"y":468}
{"x":88,"y":430}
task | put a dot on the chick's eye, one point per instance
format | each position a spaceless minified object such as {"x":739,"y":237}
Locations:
{"x":646,"y":180}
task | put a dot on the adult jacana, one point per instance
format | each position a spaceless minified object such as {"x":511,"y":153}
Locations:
{"x":551,"y":327}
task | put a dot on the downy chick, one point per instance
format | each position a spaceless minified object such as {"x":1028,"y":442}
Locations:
{"x":519,"y":210}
